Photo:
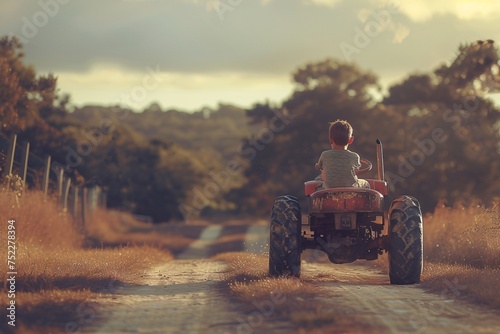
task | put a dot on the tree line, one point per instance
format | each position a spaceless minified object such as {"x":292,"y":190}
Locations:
{"x":440,"y":132}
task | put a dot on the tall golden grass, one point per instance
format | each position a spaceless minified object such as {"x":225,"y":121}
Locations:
{"x":468,"y":236}
{"x":462,"y":252}
{"x":55,"y":272}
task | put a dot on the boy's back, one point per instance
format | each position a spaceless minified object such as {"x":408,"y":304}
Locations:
{"x":338,"y":168}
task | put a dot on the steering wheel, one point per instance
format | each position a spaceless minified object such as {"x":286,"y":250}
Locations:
{"x":366,"y":166}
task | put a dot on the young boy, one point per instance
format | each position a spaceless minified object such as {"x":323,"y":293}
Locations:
{"x":339,"y":165}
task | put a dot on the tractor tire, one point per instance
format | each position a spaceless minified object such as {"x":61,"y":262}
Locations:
{"x":285,"y":237}
{"x":405,"y":241}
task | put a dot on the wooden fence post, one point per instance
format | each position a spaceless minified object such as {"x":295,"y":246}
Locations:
{"x":46,"y":174}
{"x":96,"y":196}
{"x":75,"y":203}
{"x":10,"y":155}
{"x":67,"y":184}
{"x":60,"y":180}
{"x":84,"y":206}
{"x":24,"y":162}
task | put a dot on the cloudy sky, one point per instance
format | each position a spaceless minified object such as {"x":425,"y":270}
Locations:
{"x":187,"y":54}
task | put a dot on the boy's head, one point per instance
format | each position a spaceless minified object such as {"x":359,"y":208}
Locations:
{"x":340,"y":133}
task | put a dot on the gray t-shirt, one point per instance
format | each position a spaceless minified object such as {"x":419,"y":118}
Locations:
{"x":339,"y":168}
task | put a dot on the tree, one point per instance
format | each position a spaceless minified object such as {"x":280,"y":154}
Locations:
{"x":451,"y":129}
{"x":148,"y":177}
{"x":22,"y":94}
{"x":29,"y":104}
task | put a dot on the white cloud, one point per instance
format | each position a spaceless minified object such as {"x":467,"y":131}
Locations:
{"x":400,"y":33}
{"x":326,"y":3}
{"x":385,"y":17}
{"x":214,"y":5}
{"x":423,"y":10}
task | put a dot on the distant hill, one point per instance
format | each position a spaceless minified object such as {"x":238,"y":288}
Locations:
{"x":218,"y":132}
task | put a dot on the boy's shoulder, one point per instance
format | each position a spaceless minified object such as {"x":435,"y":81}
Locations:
{"x":353,"y":153}
{"x":339,"y":152}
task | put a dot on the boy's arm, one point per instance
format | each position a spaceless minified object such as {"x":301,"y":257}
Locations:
{"x":357,"y":163}
{"x":319,"y":164}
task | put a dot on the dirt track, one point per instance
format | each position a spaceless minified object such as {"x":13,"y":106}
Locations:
{"x":178,"y":297}
{"x":184,"y":296}
{"x":366,"y":293}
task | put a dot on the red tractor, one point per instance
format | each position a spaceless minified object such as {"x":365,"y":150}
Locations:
{"x":342,"y":222}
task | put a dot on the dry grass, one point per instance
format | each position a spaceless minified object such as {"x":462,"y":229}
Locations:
{"x":462,"y":252}
{"x":248,"y":277}
{"x":56,"y":275}
{"x":38,"y":222}
{"x":115,"y":228}
{"x":294,"y":300}
{"x":468,"y":236}
{"x":464,"y":282}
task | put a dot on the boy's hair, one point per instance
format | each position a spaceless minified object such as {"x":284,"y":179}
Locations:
{"x":340,"y":132}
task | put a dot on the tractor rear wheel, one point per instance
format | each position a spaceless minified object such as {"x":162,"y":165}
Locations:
{"x":285,"y":237}
{"x":405,"y":241}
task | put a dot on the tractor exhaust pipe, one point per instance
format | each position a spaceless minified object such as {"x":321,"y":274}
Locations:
{"x":380,"y":160}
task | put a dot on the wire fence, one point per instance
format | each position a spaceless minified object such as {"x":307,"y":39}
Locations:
{"x":49,"y":177}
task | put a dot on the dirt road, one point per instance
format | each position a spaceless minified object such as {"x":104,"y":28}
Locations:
{"x":364,"y":292}
{"x":185,"y":296}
